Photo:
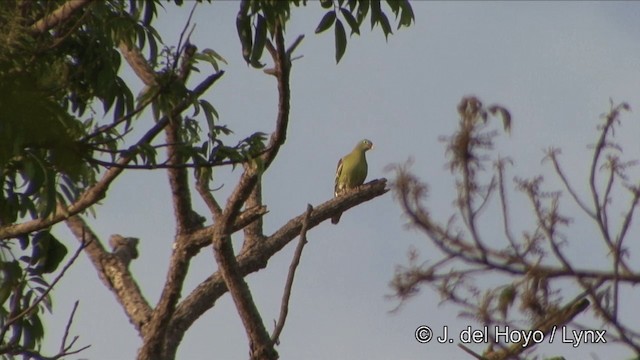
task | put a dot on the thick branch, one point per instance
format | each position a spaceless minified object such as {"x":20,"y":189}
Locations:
{"x":114,"y":274}
{"x":59,"y":15}
{"x":179,"y":264}
{"x":138,"y":63}
{"x":255,"y":258}
{"x":253,"y":231}
{"x":260,"y":341}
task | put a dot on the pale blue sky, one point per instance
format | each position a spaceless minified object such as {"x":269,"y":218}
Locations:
{"x":553,"y":65}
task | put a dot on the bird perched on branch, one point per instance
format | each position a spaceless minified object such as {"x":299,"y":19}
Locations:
{"x":352,"y":171}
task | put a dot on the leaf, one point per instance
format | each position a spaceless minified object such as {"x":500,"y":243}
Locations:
{"x":341,"y":41}
{"x":243,"y":25}
{"x":363,"y":9}
{"x":326,"y":3}
{"x":24,"y":241}
{"x":259,"y":42}
{"x":406,"y":14}
{"x":34,"y":174}
{"x":5,"y":291}
{"x":394,"y":5}
{"x":384,"y":23}
{"x":47,"y":253}
{"x":504,"y":113}
{"x":37,"y":330}
{"x":118,"y":111}
{"x":506,"y":298}
{"x":50,"y":197}
{"x":57,"y":252}
{"x":215,"y":55}
{"x":352,"y":4}
{"x":353,"y":24}
{"x":210,"y":113}
{"x":375,"y":12}
{"x":327,"y":20}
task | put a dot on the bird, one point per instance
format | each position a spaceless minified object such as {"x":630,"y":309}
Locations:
{"x":351,"y":171}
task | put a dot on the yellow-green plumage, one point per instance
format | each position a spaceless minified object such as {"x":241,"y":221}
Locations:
{"x":352,"y":171}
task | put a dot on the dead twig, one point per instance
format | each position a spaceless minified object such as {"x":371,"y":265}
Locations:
{"x":284,"y":306}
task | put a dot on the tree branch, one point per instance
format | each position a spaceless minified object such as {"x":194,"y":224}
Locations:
{"x":555,"y":320}
{"x":26,"y":311}
{"x":59,"y":15}
{"x":114,"y":274}
{"x":254,"y":258}
{"x":284,"y":306}
{"x":98,"y":191}
{"x":138,"y":63}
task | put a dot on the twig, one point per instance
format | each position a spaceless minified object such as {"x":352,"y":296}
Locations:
{"x":284,"y":306}
{"x":552,"y":154}
{"x":48,"y":290}
{"x":64,"y":349}
{"x":470,"y":352}
{"x":68,"y":327}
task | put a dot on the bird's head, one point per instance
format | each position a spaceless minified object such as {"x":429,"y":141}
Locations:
{"x":365,"y":145}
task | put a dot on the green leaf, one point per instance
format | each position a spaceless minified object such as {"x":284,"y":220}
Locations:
{"x":5,"y":291}
{"x":243,"y":25}
{"x":327,"y":20}
{"x":48,"y":253}
{"x":259,"y":42}
{"x":352,"y":4}
{"x":327,"y":4}
{"x":24,"y":241}
{"x":50,"y":197}
{"x":341,"y":40}
{"x":210,"y":113}
{"x":37,"y":330}
{"x":363,"y":9}
{"x":215,"y":55}
{"x":353,"y":24}
{"x":394,"y":5}
{"x":376,"y":12}
{"x":406,"y":14}
{"x":34,"y":174}
{"x":384,"y":23}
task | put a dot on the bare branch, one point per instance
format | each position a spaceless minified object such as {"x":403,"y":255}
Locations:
{"x":553,"y":155}
{"x":114,"y":274}
{"x":65,"y":350}
{"x":60,"y":15}
{"x":254,"y":258}
{"x":284,"y":306}
{"x":500,"y":167}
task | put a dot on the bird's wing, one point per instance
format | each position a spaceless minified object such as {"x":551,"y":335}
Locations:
{"x":337,"y":188}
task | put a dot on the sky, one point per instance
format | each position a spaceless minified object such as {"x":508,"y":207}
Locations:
{"x":554,"y":65}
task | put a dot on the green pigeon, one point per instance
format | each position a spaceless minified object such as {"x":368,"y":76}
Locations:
{"x":351,"y":172}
